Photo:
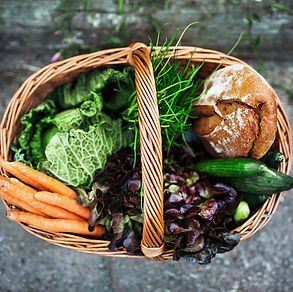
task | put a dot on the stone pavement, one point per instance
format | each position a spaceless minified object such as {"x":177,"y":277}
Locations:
{"x":262,"y":263}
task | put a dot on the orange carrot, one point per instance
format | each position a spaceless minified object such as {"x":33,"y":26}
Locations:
{"x":27,"y":195}
{"x":21,"y":184}
{"x":15,"y":190}
{"x":55,"y":225}
{"x":55,"y":212}
{"x":12,"y":170}
{"x":19,"y":203}
{"x":63,"y":202}
{"x":36,"y":178}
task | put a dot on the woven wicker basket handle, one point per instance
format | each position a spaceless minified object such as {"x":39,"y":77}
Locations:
{"x":152,"y":244}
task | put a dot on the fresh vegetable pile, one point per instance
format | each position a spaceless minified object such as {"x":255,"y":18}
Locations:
{"x":78,"y":160}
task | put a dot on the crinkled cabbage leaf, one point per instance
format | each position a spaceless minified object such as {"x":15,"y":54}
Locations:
{"x":29,"y":147}
{"x":73,"y":94}
{"x":75,"y":156}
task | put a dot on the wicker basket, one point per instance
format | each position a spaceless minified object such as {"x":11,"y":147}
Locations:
{"x":37,"y":86}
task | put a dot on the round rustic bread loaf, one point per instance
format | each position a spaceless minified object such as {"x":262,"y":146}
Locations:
{"x":237,"y":113}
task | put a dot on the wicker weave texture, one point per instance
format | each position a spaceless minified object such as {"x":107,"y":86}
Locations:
{"x":33,"y":91}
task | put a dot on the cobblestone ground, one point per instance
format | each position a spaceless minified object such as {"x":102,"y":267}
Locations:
{"x":262,"y":263}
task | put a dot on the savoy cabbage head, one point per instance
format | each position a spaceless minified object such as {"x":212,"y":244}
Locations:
{"x":68,"y":135}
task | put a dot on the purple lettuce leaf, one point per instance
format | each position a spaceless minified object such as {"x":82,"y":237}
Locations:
{"x":132,"y":243}
{"x":209,"y":209}
{"x":223,"y":242}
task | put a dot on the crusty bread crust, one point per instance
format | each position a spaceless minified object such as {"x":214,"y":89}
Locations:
{"x":238,"y":113}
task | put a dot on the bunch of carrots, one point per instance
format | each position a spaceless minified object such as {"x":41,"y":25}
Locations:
{"x":46,"y":203}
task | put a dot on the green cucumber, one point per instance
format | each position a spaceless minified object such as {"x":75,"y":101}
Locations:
{"x":266,"y":183}
{"x":231,"y":167}
{"x":273,"y":159}
{"x":255,"y":201}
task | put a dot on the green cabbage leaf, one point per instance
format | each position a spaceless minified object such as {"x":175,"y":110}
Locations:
{"x":73,"y":94}
{"x":75,"y":156}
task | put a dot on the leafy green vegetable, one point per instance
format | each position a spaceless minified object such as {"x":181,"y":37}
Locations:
{"x":29,"y":145}
{"x":48,"y":135}
{"x":75,"y":156}
{"x":68,"y":119}
{"x":37,"y":144}
{"x":42,"y":122}
{"x":79,"y":118}
{"x":68,"y":135}
{"x":31,"y":119}
{"x":73,"y":94}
